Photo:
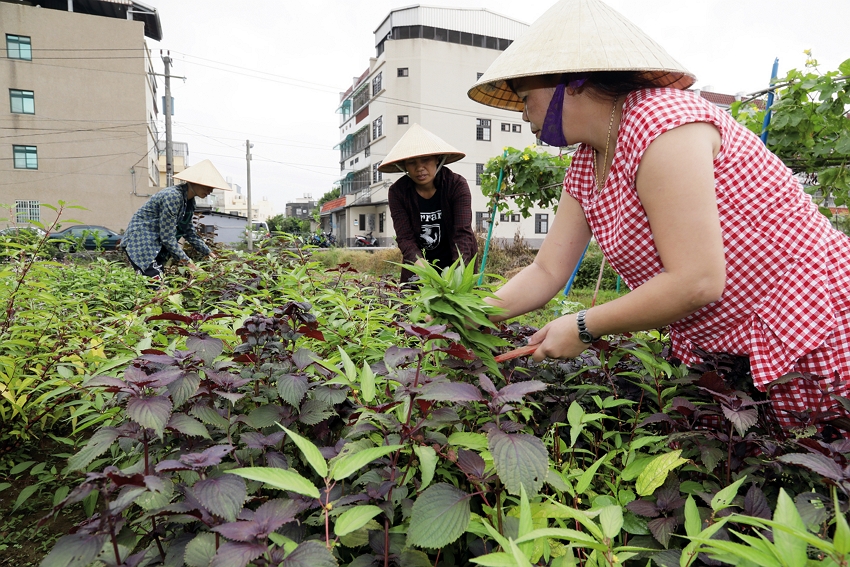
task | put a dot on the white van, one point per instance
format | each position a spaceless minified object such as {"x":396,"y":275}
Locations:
{"x":260,"y":231}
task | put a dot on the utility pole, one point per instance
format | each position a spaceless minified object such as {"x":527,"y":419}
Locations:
{"x":169,"y":147}
{"x":248,"y":146}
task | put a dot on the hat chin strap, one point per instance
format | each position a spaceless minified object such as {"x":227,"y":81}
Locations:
{"x":439,"y":167}
{"x":442,"y":161}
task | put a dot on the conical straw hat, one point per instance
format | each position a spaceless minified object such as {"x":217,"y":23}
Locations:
{"x":418,"y":142}
{"x":203,"y":173}
{"x":577,"y":36}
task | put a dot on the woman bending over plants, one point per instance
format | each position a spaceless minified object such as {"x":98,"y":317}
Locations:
{"x":710,"y":230}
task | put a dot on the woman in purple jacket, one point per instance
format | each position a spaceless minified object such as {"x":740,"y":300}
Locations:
{"x":431,"y":206}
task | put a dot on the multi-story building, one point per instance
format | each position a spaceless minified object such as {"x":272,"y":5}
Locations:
{"x":426,"y":59}
{"x":302,"y":208}
{"x":235,"y":202}
{"x":180,"y":156}
{"x":80,"y":122}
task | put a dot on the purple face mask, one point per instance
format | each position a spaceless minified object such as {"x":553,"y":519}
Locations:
{"x":552,"y":131}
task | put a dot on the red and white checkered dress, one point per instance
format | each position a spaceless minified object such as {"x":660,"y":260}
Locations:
{"x":786,"y":303}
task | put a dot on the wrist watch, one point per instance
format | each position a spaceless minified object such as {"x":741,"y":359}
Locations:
{"x":583,"y":334}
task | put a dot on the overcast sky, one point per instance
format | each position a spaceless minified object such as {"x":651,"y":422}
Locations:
{"x":271,"y":70}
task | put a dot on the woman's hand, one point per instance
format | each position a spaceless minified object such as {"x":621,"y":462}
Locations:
{"x":558,"y":339}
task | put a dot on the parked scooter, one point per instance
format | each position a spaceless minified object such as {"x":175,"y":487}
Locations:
{"x":365,"y":240}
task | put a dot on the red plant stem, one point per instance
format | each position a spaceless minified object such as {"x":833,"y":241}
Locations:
{"x":729,"y":456}
{"x":437,"y":560}
{"x":145,"y":443}
{"x":156,"y":539}
{"x":112,"y":534}
{"x":386,"y":542}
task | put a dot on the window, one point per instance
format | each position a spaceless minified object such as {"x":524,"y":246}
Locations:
{"x":478,"y":76}
{"x":517,"y":128}
{"x":23,"y":102}
{"x":479,"y":171}
{"x":376,"y":84}
{"x":360,"y":98}
{"x":381,"y":218}
{"x":403,"y":119}
{"x":378,"y":128}
{"x":376,"y":175}
{"x":368,"y":151}
{"x":509,"y":217}
{"x":27,"y":211}
{"x":541,"y":223}
{"x":482,"y":221}
{"x":18,"y":47}
{"x":26,"y":157}
{"x":403,"y":72}
{"x":482,"y":129}
{"x":506,"y":127}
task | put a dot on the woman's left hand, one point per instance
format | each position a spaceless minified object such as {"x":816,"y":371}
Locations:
{"x":558,"y":339}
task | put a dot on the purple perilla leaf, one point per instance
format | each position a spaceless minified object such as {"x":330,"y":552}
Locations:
{"x":755,"y":503}
{"x":663,"y":528}
{"x":209,"y":457}
{"x":256,"y":440}
{"x":152,"y":412}
{"x":233,"y":554}
{"x":395,"y":357}
{"x":487,"y":385}
{"x":76,"y":550}
{"x":274,"y":513}
{"x":471,"y":463}
{"x":451,"y":392}
{"x":310,"y":554}
{"x":111,"y":384}
{"x":232,"y":397}
{"x":223,"y":495}
{"x":517,"y":391}
{"x":164,"y":377}
{"x":742,"y":419}
{"x":208,"y":348}
{"x":816,"y":462}
{"x":644,"y":508}
{"x":226,"y":379}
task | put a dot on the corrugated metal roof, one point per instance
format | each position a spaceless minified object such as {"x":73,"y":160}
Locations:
{"x":471,"y":20}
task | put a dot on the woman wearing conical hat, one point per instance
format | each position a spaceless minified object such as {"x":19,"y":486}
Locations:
{"x":155,"y":229}
{"x":431,"y":206}
{"x":711,"y":231}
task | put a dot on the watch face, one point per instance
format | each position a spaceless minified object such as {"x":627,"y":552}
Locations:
{"x":585,"y":337}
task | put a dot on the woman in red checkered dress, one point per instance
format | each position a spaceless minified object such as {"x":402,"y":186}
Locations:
{"x":710,"y":230}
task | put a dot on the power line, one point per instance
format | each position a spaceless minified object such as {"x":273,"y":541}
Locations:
{"x":57,"y":131}
{"x":335,"y":90}
{"x":302,"y":146}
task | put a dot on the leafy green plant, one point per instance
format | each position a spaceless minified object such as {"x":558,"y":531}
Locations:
{"x":452,"y":298}
{"x":808,"y":129}
{"x":532,"y":178}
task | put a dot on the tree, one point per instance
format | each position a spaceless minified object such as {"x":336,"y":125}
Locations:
{"x":329,"y":196}
{"x":532,"y":178}
{"x":810,"y":129}
{"x":291,"y":225}
{"x":276,"y":222}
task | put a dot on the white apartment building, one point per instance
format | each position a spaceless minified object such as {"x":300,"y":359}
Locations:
{"x":235,"y":202}
{"x":426,"y":59}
